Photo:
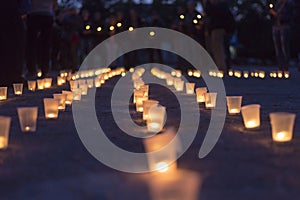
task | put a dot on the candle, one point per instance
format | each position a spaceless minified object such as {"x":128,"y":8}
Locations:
{"x":210,"y":100}
{"x":47,"y":82}
{"x":31,"y":85}
{"x":77,"y":94}
{"x":200,"y":92}
{"x":3,"y":93}
{"x":234,"y":104}
{"x":69,"y":98}
{"x":282,"y":126}
{"x":156,"y":118}
{"x":61,"y":100}
{"x":251,"y":116}
{"x":4,"y":131}
{"x":190,"y":88}
{"x":146,"y":107}
{"x":18,"y":88}
{"x":28,"y":118}
{"x":40,"y":84}
{"x":51,"y":108}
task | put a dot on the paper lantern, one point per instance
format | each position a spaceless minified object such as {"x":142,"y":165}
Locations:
{"x":69,"y":98}
{"x":200,"y":92}
{"x":40,"y":84}
{"x":76,"y":94}
{"x":178,"y":84}
{"x":84,"y":89}
{"x":3,"y":93}
{"x":47,"y":82}
{"x":161,"y":151}
{"x":234,"y":104}
{"x":146,"y":107}
{"x":251,"y":116}
{"x":18,"y":88}
{"x":197,"y":73}
{"x":28,"y":118}
{"x":139,"y":102}
{"x":282,"y":126}
{"x":210,"y":100}
{"x":145,"y":90}
{"x":31,"y":85}
{"x":190,"y":88}
{"x":90,"y":83}
{"x":169,"y":80}
{"x":4,"y":131}
{"x":61,"y":100}
{"x":51,"y":108}
{"x":156,"y":118}
{"x":246,"y":74}
{"x":60,"y":81}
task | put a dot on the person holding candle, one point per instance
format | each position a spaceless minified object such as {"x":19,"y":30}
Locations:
{"x":282,"y":14}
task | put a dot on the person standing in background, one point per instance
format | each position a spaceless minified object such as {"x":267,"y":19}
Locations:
{"x":39,"y":30}
{"x":283,"y":15}
{"x":12,"y":42}
{"x":218,"y":13}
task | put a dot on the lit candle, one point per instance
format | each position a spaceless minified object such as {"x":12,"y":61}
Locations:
{"x":190,"y":88}
{"x":282,"y":126}
{"x":4,"y":131}
{"x":3,"y":93}
{"x":18,"y":88}
{"x":200,"y":92}
{"x":234,"y":104}
{"x":31,"y":85}
{"x":251,"y":116}
{"x":210,"y":100}
{"x":28,"y":118}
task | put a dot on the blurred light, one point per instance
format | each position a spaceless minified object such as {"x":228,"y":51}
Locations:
{"x":152,"y":33}
{"x":87,"y":27}
{"x":99,"y":29}
{"x":119,"y":24}
{"x":111,"y":28}
{"x":199,"y":16}
{"x":130,"y":28}
{"x":271,"y":5}
{"x":195,"y":21}
{"x":181,"y":16}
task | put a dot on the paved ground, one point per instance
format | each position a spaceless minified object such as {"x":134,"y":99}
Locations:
{"x":53,"y":164}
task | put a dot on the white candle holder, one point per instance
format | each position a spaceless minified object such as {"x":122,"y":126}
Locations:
{"x":47,"y":82}
{"x":282,"y":126}
{"x":31,"y":85}
{"x":51,"y":108}
{"x":234,"y":104}
{"x":251,"y":116}
{"x":40,"y":84}
{"x":76,"y":94}
{"x":4,"y":131}
{"x":28,"y":118}
{"x":210,"y":100}
{"x":200,"y":92}
{"x":3,"y":93}
{"x":190,"y":88}
{"x":161,"y":152}
{"x":69,"y":98}
{"x":61,"y":100}
{"x":156,"y":118}
{"x":146,"y":107}
{"x":18,"y":88}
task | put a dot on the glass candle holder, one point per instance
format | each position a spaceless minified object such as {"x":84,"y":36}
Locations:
{"x":146,"y":107}
{"x":234,"y":104}
{"x":3,"y":93}
{"x":61,"y":100}
{"x":282,"y":126}
{"x":31,"y":85}
{"x":51,"y":108}
{"x":76,"y":94}
{"x":161,"y":151}
{"x":189,"y":88}
{"x":40,"y":84}
{"x":28,"y":118}
{"x":251,"y":116}
{"x":156,"y":118}
{"x":69,"y":96}
{"x":200,"y":93}
{"x":4,"y":131}
{"x":47,"y":82}
{"x":18,"y":88}
{"x":210,"y":100}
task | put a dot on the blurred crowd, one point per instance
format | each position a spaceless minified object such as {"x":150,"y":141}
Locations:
{"x":48,"y":37}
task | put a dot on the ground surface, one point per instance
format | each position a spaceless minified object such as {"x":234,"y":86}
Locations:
{"x":53,"y":163}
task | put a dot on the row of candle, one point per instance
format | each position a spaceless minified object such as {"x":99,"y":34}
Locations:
{"x":28,"y":115}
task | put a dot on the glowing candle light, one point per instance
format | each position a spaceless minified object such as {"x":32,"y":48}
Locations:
{"x":4,"y":131}
{"x":251,"y":116}
{"x":156,"y":118}
{"x":200,"y":92}
{"x":28,"y":118}
{"x":40,"y":84}
{"x":210,"y":100}
{"x":51,"y":108}
{"x":190,"y":88}
{"x":147,"y":104}
{"x":31,"y":85}
{"x":234,"y":104}
{"x":69,"y":98}
{"x":18,"y":88}
{"x":61,"y":100}
{"x":282,"y":126}
{"x":3,"y":93}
